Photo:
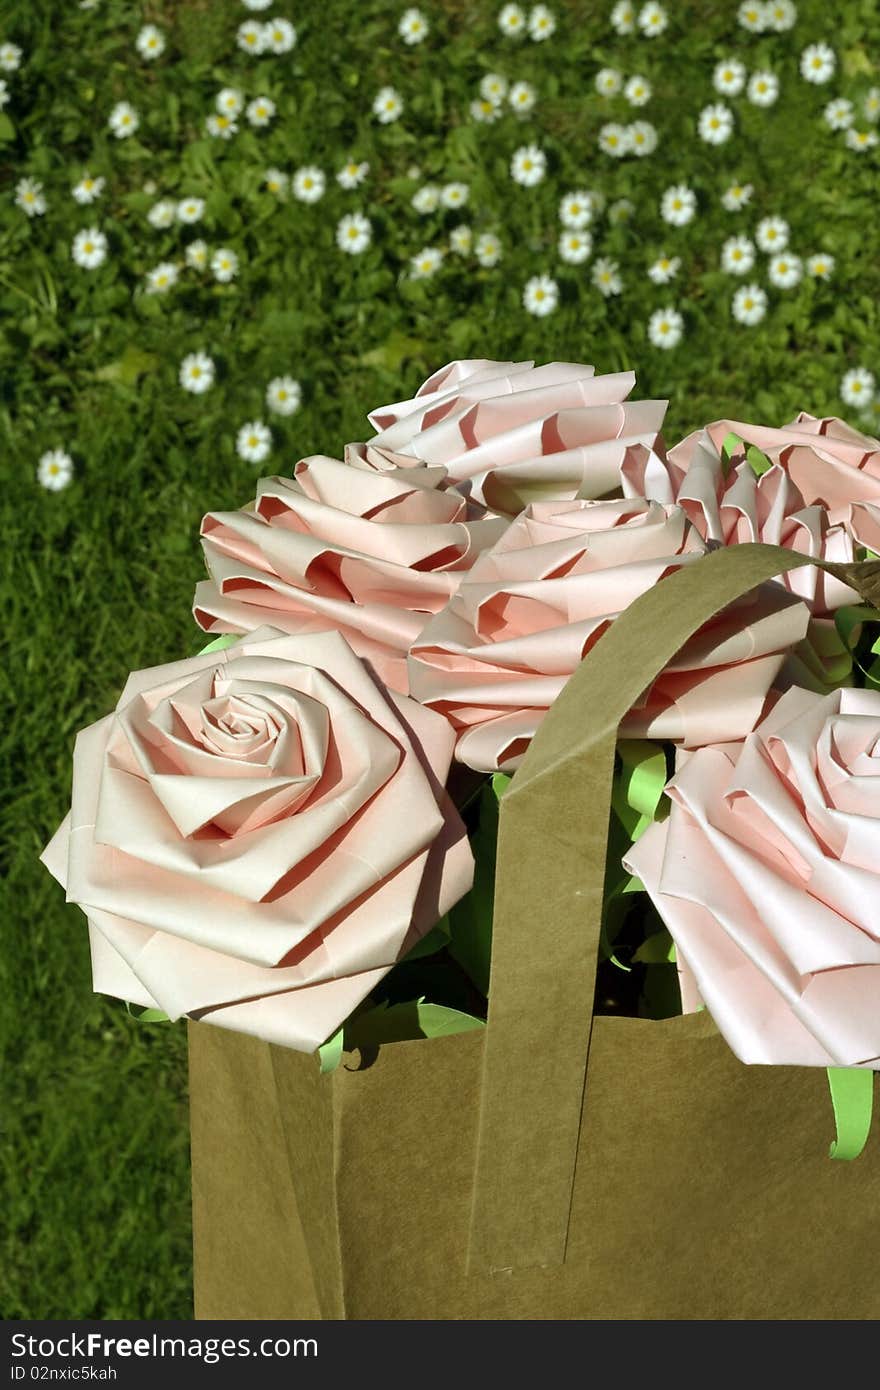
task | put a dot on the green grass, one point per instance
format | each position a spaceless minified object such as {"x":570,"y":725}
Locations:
{"x":98,"y":579}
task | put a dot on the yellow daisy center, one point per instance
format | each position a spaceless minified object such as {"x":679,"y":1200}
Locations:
{"x":677,"y":204}
{"x":253,"y":440}
{"x":282,"y":394}
{"x":88,"y":247}
{"x":748,"y":304}
{"x":54,"y":469}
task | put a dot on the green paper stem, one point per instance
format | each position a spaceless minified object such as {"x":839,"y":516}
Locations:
{"x":852,"y":1095}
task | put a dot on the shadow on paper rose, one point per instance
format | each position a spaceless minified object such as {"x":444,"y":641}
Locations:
{"x":511,"y":433}
{"x":498,"y":655}
{"x":766,"y":874}
{"x":257,"y":835}
{"x":370,"y":550}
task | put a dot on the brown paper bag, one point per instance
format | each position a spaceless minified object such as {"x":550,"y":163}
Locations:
{"x":552,"y":1165}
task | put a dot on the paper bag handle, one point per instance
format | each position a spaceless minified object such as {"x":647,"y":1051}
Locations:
{"x":550,"y":876}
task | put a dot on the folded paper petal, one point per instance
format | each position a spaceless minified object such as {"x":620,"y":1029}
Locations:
{"x":215,"y":893}
{"x":368,"y":551}
{"x":494,"y":660}
{"x":766,"y":874}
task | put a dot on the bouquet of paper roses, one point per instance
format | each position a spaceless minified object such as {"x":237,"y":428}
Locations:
{"x":294,"y":833}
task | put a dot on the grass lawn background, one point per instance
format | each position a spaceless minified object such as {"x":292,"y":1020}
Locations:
{"x":98,"y":579}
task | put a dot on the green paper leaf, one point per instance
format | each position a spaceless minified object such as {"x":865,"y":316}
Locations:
{"x":758,"y":462}
{"x":500,"y":783}
{"x":852,"y":1096}
{"x":330,"y":1052}
{"x":228,"y":639}
{"x":658,"y":949}
{"x":146,"y":1015}
{"x":404,"y":1022}
{"x":432,"y":941}
{"x":729,"y":446}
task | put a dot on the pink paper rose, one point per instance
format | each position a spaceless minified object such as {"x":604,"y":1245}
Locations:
{"x":511,"y":433}
{"x":729,"y":503}
{"x":368,"y":551}
{"x":821,"y":494}
{"x":258,"y":834}
{"x":498,"y":655}
{"x":766,"y":873}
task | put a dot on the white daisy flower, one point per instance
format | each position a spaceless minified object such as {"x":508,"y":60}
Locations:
{"x":664,"y":269}
{"x":387,"y":105}
{"x":29,"y":197}
{"x":150,"y":42}
{"x":279,"y":36}
{"x":606,"y":277}
{"x":484,"y":110}
{"x":871,"y":105}
{"x":522,"y":96}
{"x":353,"y":233}
{"x":785,"y":270}
{"x":653,"y":19}
{"x":487,"y":249}
{"x":4,"y":93}
{"x":857,"y":387}
{"x":576,"y":210}
{"x":10,"y":57}
{"x":426,"y":199}
{"x":190,"y":210}
{"x":493,"y":87}
{"x":253,"y":443}
{"x":575,"y":247}
{"x":256,"y":4}
{"x":678,"y":205}
{"x":88,"y":189}
{"x":283,"y":395}
{"x":749,"y":305}
{"x":224,"y":265}
{"x":123,"y":120}
{"x":89,"y":248}
{"x":461,"y":240}
{"x":196,"y":373}
{"x":781,"y":15}
{"x":413,"y":26}
{"x":426,"y":263}
{"x":637,"y":91}
{"x":352,"y":174}
{"x":542,"y":23}
{"x":771,"y":234}
{"x":229,"y":102}
{"x":642,"y":138}
{"x":737,"y":255}
{"x":763,"y":88}
{"x":161,"y":280}
{"x":818,"y":63}
{"x":540,"y":295}
{"x":528,"y":165}
{"x":221,"y":126}
{"x":277,"y":182}
{"x":820,"y":266}
{"x":752,"y":15}
{"x":621,"y":211}
{"x":196,"y":255}
{"x":614,"y":139}
{"x":623,"y":17}
{"x":736,"y":196}
{"x":860,"y":140}
{"x":729,"y":77}
{"x":308,"y":184}
{"x":251,"y":37}
{"x":260,"y":111}
{"x":715,"y":124}
{"x":512,"y":19}
{"x":608,"y":82}
{"x":454,"y":195}
{"x":665,"y":328}
{"x":55,"y":469}
{"x":162,"y":214}
{"x":839,"y":114}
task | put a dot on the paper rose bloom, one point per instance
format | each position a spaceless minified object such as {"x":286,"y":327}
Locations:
{"x":497,"y":657}
{"x":767,"y":873}
{"x":821,"y":493}
{"x":511,"y":433}
{"x":731,"y":503}
{"x":370,"y":552}
{"x":257,"y":834}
